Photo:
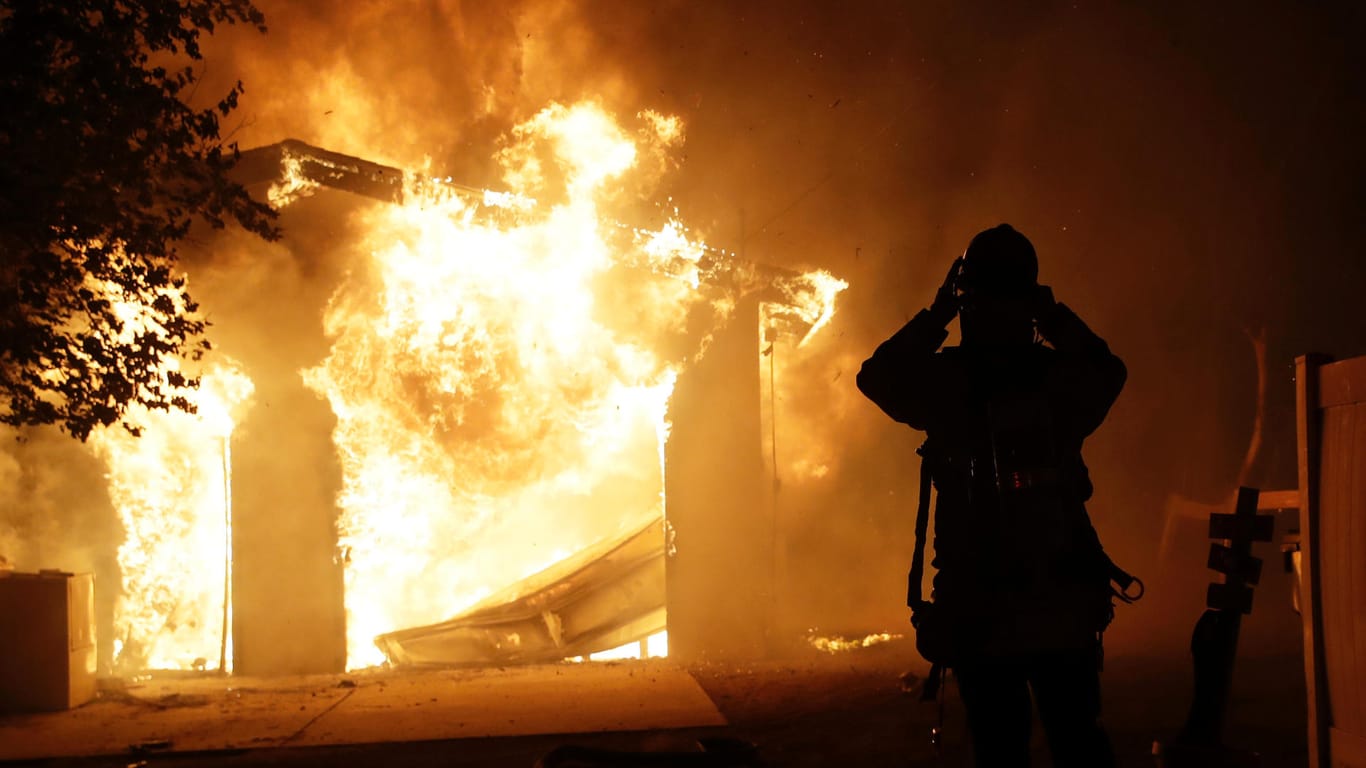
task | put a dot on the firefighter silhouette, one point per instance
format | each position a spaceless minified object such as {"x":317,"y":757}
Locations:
{"x":1022,"y":590}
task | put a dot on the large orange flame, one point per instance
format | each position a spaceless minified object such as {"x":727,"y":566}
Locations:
{"x":169,"y":488}
{"x":494,"y":412}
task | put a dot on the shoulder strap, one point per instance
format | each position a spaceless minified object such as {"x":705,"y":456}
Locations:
{"x":914,"y":599}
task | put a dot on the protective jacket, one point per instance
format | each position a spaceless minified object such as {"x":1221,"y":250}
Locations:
{"x":1019,"y":565}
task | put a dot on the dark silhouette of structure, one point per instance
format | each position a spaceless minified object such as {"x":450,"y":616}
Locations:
{"x":1023,"y":589}
{"x":1214,"y":644}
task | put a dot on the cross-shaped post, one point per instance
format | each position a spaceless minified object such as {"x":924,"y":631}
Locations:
{"x":1215,"y":642}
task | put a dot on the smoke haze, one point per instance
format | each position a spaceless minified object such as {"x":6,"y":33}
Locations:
{"x":1187,"y":175}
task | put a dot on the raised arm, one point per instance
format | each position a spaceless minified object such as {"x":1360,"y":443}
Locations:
{"x":899,"y":376}
{"x":1091,"y":376}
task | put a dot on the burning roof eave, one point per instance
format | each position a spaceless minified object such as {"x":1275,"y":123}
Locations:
{"x":274,"y":163}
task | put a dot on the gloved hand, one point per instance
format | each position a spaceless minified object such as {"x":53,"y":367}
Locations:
{"x":945,"y":306}
{"x":1045,"y":307}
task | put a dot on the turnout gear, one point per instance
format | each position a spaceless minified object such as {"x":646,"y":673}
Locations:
{"x":1019,"y":564}
{"x":1023,"y":588}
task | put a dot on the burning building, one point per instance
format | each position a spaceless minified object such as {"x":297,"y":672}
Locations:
{"x":516,"y":427}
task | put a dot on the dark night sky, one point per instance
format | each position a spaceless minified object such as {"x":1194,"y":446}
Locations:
{"x":1187,"y":174}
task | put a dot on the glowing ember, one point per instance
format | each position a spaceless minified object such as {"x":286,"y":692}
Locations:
{"x":839,"y":644}
{"x":169,"y":488}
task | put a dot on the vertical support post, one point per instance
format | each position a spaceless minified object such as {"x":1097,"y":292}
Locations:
{"x":227,"y":555}
{"x":718,"y":569}
{"x":1307,"y":425}
{"x":778,"y":558}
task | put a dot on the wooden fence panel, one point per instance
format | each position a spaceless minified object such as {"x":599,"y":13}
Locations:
{"x":1336,"y":507}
